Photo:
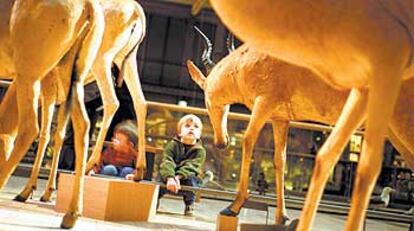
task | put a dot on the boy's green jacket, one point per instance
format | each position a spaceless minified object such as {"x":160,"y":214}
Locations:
{"x":180,"y":159}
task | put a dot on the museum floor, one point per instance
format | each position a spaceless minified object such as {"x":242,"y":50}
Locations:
{"x":35,"y":215}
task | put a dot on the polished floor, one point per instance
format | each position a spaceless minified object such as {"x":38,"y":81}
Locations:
{"x":34,"y":215}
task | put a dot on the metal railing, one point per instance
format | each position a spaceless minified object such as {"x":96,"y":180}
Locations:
{"x":232,"y":115}
{"x":4,"y":83}
{"x":240,"y":116}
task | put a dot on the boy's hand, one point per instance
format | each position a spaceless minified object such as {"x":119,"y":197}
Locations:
{"x":130,"y":176}
{"x":172,"y":185}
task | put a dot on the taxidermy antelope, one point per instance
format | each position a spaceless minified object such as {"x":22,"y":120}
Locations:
{"x":35,"y":37}
{"x":124,"y":31}
{"x":365,"y":46}
{"x":273,"y":90}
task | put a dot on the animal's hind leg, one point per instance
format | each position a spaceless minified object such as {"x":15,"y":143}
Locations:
{"x":260,"y":113}
{"x":280,"y":133}
{"x":382,"y":96}
{"x":83,"y":64}
{"x":102,"y":72}
{"x":140,"y":105}
{"x":62,"y":121}
{"x":81,"y":128}
{"x":351,"y":117}
{"x":48,"y":105}
{"x":405,"y":149}
{"x":27,"y":97}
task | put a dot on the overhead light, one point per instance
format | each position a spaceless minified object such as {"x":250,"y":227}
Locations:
{"x":182,"y":103}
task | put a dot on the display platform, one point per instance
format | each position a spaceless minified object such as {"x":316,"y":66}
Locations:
{"x":110,"y":198}
{"x":35,"y":215}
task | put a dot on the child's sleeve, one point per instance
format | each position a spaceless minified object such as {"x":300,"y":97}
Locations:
{"x":192,"y":167}
{"x":167,"y":167}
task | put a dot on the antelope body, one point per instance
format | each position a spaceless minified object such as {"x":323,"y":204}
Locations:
{"x":36,"y":37}
{"x":124,"y":30}
{"x":274,"y":90}
{"x":366,"y":46}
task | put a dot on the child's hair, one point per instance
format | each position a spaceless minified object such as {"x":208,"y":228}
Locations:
{"x":129,"y":128}
{"x":189,"y":117}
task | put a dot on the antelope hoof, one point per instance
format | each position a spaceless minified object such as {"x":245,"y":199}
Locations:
{"x":293,"y":224}
{"x":139,"y":175}
{"x":69,"y":220}
{"x":88,"y":169}
{"x":20,"y":198}
{"x":228,"y":212}
{"x":221,"y":146}
{"x":285,"y":219}
{"x":47,"y":195}
{"x":45,"y":198}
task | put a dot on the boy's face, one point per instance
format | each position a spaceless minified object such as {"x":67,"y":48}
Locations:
{"x":190,"y":132}
{"x":121,"y":142}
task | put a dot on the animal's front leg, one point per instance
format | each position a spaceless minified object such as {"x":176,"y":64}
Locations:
{"x":260,"y":113}
{"x":351,"y":117}
{"x":140,"y":105}
{"x":140,"y":168}
{"x":280,"y":134}
{"x":102,"y":74}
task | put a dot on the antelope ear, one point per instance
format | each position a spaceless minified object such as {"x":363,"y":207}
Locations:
{"x":196,"y":74}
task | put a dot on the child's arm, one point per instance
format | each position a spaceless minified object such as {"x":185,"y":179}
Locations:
{"x":191,"y":167}
{"x":168,"y":165}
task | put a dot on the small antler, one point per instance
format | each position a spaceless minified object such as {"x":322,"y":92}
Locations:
{"x":208,"y":49}
{"x":230,"y":42}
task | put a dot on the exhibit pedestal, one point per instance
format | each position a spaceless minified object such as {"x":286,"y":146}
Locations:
{"x":110,"y":199}
{"x":255,"y":227}
{"x":226,"y":223}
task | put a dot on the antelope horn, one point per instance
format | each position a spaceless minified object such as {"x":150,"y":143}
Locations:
{"x":208,"y":48}
{"x":230,"y":42}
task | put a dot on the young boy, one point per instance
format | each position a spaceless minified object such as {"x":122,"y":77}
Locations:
{"x":120,"y":158}
{"x":183,"y":159}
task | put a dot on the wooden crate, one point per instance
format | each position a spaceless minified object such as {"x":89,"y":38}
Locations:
{"x":110,"y":199}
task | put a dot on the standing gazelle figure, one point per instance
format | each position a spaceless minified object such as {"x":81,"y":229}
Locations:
{"x":273,"y":91}
{"x":124,"y":31}
{"x":365,"y":46}
{"x":36,"y":37}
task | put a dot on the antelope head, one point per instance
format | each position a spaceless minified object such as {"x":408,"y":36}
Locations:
{"x":217,"y":106}
{"x":217,"y":91}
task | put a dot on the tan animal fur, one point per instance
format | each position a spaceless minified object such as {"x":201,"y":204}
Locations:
{"x":274,"y":90}
{"x":36,"y":37}
{"x":363,"y":45}
{"x":121,"y":19}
